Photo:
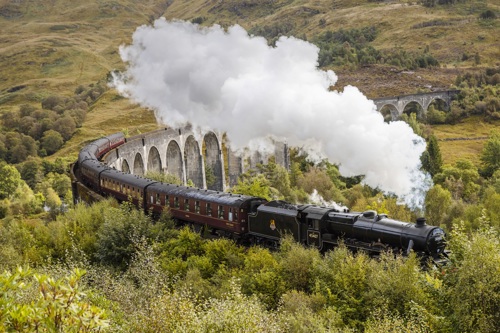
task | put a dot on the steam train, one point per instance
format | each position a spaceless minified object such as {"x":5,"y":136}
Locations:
{"x":253,"y":220}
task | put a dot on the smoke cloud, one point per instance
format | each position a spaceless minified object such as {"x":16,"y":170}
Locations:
{"x":226,"y":80}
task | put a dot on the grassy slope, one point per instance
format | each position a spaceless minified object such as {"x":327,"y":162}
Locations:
{"x":52,"y":46}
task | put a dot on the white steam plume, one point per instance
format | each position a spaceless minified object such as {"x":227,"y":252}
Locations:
{"x":235,"y":83}
{"x":316,"y":199}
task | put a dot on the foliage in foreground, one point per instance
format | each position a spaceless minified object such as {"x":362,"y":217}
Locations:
{"x":176,"y":281}
{"x":34,"y":302}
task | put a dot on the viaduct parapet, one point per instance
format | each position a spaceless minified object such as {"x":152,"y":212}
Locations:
{"x":397,"y":104}
{"x":188,"y":156}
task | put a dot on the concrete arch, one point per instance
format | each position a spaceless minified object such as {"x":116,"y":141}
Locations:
{"x":154,"y":160}
{"x":125,"y":166}
{"x":213,"y":162}
{"x":138,"y":165}
{"x":174,"y":160}
{"x":193,"y":162}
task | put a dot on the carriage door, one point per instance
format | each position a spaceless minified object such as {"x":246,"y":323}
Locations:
{"x":313,"y":234}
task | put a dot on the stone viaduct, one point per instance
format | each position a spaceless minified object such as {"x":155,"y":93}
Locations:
{"x":397,"y":104}
{"x":188,"y":156}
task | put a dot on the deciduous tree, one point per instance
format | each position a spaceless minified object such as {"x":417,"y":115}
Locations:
{"x":10,"y":179}
{"x":490,"y":156}
{"x":51,"y":141}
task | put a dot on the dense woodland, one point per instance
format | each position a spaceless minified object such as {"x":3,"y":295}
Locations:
{"x":109,"y":267}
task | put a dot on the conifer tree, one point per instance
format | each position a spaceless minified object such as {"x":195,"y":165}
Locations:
{"x":431,"y":158}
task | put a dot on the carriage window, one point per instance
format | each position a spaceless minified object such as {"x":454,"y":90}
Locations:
{"x":209,"y":209}
{"x":186,"y":205}
{"x":167,"y":201}
{"x":176,"y":202}
{"x":197,"y":207}
{"x":151,"y":200}
{"x":230,"y":216}
{"x":158,"y":198}
{"x":221,"y":212}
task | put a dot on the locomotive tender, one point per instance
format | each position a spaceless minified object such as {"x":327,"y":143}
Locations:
{"x":249,"y":219}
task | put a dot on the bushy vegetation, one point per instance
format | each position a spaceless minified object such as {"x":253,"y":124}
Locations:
{"x":147,"y":276}
{"x":30,"y":131}
{"x":479,"y":95}
{"x":352,"y":48}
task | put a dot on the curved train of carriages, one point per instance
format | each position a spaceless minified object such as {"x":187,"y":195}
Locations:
{"x":253,"y":220}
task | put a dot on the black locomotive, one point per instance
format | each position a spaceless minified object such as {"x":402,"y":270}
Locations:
{"x":251,"y":219}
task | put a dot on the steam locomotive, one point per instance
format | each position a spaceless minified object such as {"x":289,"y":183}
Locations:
{"x":253,"y":220}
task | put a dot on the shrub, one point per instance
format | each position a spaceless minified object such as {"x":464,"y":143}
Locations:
{"x":343,"y":279}
{"x":297,"y":264}
{"x":488,"y":15}
{"x":51,"y":141}
{"x":59,"y":306}
{"x":473,"y":281}
{"x":490,"y":155}
{"x":116,"y":238}
{"x":262,"y":278}
{"x":49,"y":103}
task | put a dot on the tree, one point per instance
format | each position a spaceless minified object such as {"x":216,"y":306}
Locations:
{"x":297,"y":264}
{"x":490,"y":156}
{"x":278,"y":178}
{"x":121,"y":230}
{"x":10,"y":179}
{"x":49,"y":103}
{"x":209,"y":175}
{"x":60,"y":182}
{"x":31,"y":172}
{"x":461,"y":180}
{"x":437,"y":204}
{"x":256,"y":186}
{"x":65,"y":126}
{"x":52,"y":201}
{"x":261,"y":276}
{"x":316,"y":179}
{"x":413,"y":122}
{"x":19,"y":147}
{"x":431,"y":159}
{"x":52,"y":141}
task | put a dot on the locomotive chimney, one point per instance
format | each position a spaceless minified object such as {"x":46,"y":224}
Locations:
{"x":421,"y":221}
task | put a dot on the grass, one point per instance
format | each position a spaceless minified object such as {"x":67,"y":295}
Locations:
{"x":472,"y":134}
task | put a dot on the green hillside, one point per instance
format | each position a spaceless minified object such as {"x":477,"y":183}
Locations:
{"x":52,"y":47}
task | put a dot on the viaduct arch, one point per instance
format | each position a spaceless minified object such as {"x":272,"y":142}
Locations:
{"x":190,"y":157}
